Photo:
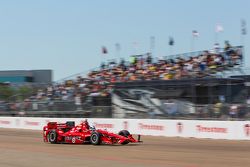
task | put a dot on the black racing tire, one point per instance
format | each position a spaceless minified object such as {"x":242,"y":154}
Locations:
{"x":52,"y":137}
{"x":95,"y":138}
{"x":124,"y":133}
{"x":125,"y":142}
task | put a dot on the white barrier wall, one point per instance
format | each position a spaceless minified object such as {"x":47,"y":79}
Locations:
{"x":233,"y":130}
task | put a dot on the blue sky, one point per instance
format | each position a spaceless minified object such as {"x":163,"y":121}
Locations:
{"x":67,"y":36}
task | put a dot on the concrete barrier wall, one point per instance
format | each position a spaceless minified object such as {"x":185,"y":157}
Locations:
{"x":232,"y":130}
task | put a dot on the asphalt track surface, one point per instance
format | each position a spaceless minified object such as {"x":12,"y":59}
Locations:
{"x":25,"y":148}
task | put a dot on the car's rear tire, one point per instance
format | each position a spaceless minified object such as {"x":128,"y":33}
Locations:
{"x":52,"y":137}
{"x":95,"y":138}
{"x":124,"y":133}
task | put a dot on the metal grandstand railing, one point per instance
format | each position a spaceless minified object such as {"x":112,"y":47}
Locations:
{"x":197,"y":53}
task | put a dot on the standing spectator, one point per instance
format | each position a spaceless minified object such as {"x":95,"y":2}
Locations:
{"x":34,"y":106}
{"x":227,"y":46}
{"x":78,"y":102}
{"x":149,"y":59}
{"x":217,"y":109}
{"x":233,"y":111}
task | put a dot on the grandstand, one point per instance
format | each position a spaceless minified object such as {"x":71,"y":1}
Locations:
{"x":184,"y":85}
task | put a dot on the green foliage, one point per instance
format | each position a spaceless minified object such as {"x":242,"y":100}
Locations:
{"x":9,"y":93}
{"x":25,"y":91}
{"x":6,"y":92}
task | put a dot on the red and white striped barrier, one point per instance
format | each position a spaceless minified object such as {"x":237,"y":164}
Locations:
{"x":233,"y":130}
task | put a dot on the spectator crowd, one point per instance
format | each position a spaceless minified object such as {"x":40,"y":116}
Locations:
{"x":143,"y":67}
{"x":140,"y":67}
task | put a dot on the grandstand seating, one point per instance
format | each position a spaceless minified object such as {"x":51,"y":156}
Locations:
{"x":83,"y":91}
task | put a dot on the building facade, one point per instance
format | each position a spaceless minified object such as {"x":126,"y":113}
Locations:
{"x":26,"y":76}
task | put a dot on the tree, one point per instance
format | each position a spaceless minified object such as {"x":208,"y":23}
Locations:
{"x":24,"y":92}
{"x":6,"y":92}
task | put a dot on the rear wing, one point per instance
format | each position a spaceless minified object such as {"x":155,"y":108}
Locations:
{"x":55,"y":125}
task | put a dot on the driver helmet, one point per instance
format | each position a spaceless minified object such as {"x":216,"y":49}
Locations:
{"x":85,"y":123}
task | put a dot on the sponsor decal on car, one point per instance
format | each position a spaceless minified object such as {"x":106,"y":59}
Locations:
{"x":72,"y":138}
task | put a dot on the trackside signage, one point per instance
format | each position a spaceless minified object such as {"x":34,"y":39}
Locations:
{"x":201,"y":128}
{"x":148,"y":127}
{"x":214,"y":129}
{"x":232,"y":130}
{"x":151,"y":127}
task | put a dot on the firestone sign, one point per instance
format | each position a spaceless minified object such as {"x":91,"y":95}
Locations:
{"x":4,"y":122}
{"x":151,"y":127}
{"x":201,"y":128}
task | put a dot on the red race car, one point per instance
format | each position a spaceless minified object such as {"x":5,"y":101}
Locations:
{"x":69,"y":133}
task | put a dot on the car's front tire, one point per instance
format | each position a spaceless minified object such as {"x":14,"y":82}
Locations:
{"x":124,"y":133}
{"x":95,"y":138}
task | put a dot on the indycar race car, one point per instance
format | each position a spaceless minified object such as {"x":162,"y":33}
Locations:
{"x":67,"y":132}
